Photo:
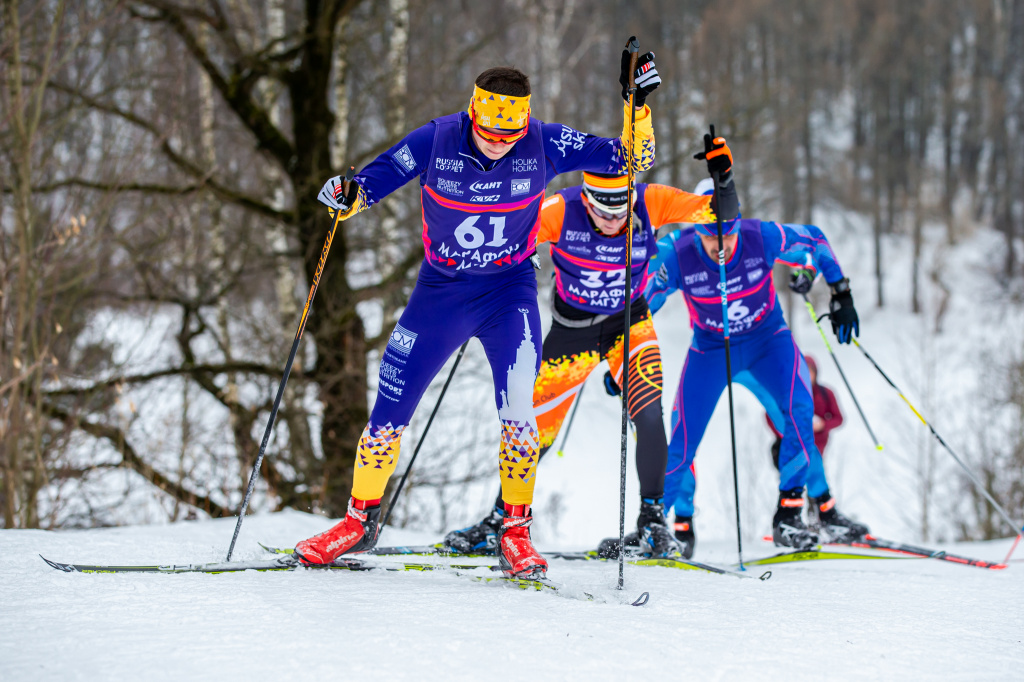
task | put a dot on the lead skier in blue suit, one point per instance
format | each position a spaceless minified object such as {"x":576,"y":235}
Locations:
{"x":764,"y":357}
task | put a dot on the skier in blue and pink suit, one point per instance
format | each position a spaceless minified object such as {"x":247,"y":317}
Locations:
{"x":764,"y":357}
{"x":482,"y":175}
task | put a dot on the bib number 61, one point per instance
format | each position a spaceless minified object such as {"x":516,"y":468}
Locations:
{"x":470,"y":236}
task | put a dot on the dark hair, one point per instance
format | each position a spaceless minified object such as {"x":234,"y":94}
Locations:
{"x":505,"y":80}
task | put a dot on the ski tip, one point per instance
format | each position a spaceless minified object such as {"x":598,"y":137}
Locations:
{"x":641,"y":600}
{"x":53,"y":564}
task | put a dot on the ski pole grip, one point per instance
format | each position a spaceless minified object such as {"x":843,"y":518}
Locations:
{"x":633,"y":47}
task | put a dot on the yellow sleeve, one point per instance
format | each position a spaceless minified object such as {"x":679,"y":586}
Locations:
{"x":552,"y":215}
{"x":643,"y":143}
{"x":672,"y":205}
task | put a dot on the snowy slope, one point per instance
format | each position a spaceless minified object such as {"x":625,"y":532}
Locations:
{"x":909,"y":619}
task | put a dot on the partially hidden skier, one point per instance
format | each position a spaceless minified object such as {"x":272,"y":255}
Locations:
{"x":764,"y":357}
{"x":482,"y":174}
{"x":827,"y":415}
{"x":586,"y":227}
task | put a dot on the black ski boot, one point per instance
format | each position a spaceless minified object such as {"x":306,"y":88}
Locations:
{"x":833,"y":524}
{"x":479,"y":539}
{"x":788,"y":529}
{"x":609,"y":547}
{"x":685,"y":536}
{"x":652,"y":527}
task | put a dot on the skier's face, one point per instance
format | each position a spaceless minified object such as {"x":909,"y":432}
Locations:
{"x":710,"y":244}
{"x":493,"y":150}
{"x":607,"y":223}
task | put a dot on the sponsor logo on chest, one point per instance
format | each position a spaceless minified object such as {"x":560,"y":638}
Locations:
{"x":481,"y":186}
{"x":449,"y":165}
{"x":453,"y":187}
{"x":695,"y":277}
{"x":524,"y":165}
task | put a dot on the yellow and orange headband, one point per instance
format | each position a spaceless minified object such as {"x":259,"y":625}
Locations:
{"x":505,"y":112}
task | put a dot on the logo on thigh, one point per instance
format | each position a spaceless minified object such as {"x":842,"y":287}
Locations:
{"x":402,"y":340}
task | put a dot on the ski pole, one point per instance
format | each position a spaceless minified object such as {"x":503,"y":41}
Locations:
{"x":572,"y":417}
{"x":728,"y":359}
{"x":349,"y":175}
{"x":634,"y":52}
{"x":814,"y":316}
{"x":970,"y":474}
{"x":423,"y":437}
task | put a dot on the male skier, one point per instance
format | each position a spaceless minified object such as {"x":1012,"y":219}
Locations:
{"x":586,"y":227}
{"x":482,"y":175}
{"x":764,"y":358}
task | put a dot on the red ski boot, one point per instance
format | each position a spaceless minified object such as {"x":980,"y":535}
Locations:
{"x":356,"y":533}
{"x":516,"y":554}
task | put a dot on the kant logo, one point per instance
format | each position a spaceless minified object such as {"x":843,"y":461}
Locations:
{"x":485,"y":186}
{"x":401,"y":340}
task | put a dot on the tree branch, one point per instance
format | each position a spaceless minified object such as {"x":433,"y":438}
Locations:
{"x":236,"y":89}
{"x":396,"y":278}
{"x":131,"y":459}
{"x":193,"y":371}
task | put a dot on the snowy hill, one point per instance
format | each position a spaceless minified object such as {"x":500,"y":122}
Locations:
{"x":844,"y":620}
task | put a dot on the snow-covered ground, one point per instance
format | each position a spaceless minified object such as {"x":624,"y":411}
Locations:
{"x":899,"y":619}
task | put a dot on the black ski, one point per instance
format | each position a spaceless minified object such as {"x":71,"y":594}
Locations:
{"x":871,"y":542}
{"x":287,"y":562}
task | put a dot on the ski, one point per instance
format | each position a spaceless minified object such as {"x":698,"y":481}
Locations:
{"x":592,"y":555}
{"x":287,"y":562}
{"x":401,"y":550}
{"x":815,"y":554}
{"x":871,"y":542}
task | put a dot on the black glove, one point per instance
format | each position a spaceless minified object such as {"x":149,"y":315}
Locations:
{"x":801,"y":280}
{"x":845,"y":323}
{"x":646,"y":76}
{"x":719,"y":159}
{"x":610,"y":386}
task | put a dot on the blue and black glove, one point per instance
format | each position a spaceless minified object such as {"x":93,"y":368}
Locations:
{"x":801,"y":280}
{"x":610,"y":386}
{"x":845,"y":323}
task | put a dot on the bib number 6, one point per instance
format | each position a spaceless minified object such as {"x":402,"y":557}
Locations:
{"x":470,"y":236}
{"x":737,"y":311}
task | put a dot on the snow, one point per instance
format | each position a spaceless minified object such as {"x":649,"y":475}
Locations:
{"x":845,"y":620}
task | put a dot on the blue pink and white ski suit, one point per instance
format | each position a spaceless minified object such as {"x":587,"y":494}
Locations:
{"x":764,"y":357}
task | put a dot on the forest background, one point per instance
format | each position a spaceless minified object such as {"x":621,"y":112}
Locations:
{"x":159,"y":228}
